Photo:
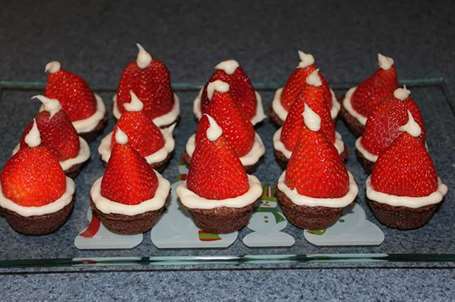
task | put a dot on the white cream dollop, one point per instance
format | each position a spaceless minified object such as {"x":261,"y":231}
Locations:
{"x":306,"y":59}
{"x":135,"y":104}
{"x":121,"y":137}
{"x":311,"y":118}
{"x":53,"y":67}
{"x":228,"y":66}
{"x":33,"y":138}
{"x":50,"y":105}
{"x":217,"y":85}
{"x":143,"y":57}
{"x":384,"y":62}
{"x":401,"y":93}
{"x":411,"y":126}
{"x":314,"y":79}
{"x":214,"y":131}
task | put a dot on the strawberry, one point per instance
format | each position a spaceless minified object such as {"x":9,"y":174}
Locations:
{"x":128,"y":179}
{"x":150,"y":80}
{"x":242,"y":89}
{"x":215,"y":171}
{"x":56,"y":130}
{"x":405,"y":169}
{"x":383,"y":125}
{"x":312,"y":95}
{"x":315,"y":168}
{"x":76,"y":97}
{"x":33,"y":176}
{"x":238,"y":131}
{"x":376,"y":88}
{"x":143,"y":136}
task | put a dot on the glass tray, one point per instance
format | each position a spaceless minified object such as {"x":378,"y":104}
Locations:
{"x":432,"y":245}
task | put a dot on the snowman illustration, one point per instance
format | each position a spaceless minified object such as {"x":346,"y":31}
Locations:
{"x":267,"y":224}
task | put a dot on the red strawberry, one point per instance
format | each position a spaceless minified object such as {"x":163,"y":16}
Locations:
{"x":33,"y":176}
{"x":241,"y":87}
{"x":144,"y":136}
{"x":76,"y":97}
{"x":128,"y":178}
{"x":376,"y":88}
{"x":405,"y":169}
{"x":383,"y":125}
{"x":315,"y":168}
{"x":313,"y":96}
{"x":56,"y":130}
{"x":150,"y":80}
{"x":215,"y":171}
{"x":238,"y":131}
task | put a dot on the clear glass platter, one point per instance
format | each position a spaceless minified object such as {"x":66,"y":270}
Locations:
{"x":432,"y":245}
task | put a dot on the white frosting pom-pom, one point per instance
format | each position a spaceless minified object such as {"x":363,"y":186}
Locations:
{"x":311,"y":119}
{"x":314,"y":79}
{"x":50,"y":105}
{"x":401,"y":93}
{"x":228,"y":66}
{"x":214,"y":131}
{"x":53,"y":67}
{"x":143,"y":57}
{"x":33,"y":138}
{"x":411,"y":127}
{"x":306,"y":59}
{"x":384,"y":62}
{"x":135,"y":104}
{"x":217,"y":85}
{"x":120,"y":137}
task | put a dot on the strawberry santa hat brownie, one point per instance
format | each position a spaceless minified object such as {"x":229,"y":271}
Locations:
{"x":84,"y":108}
{"x":316,"y":186}
{"x":150,"y":80}
{"x":285,"y":138}
{"x":360,"y":101}
{"x":383,"y":126}
{"x":238,"y":132}
{"x":245,"y":96}
{"x":285,"y":96}
{"x":130,"y":197}
{"x":36,"y":197}
{"x":58,"y":134}
{"x":218,"y":193}
{"x":404,"y":190}
{"x":154,"y":144}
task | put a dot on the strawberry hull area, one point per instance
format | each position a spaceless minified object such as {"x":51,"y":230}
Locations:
{"x":415,"y":247}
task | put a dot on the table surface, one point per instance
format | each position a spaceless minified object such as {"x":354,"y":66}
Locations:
{"x":97,"y":39}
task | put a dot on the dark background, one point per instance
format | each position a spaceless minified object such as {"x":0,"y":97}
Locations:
{"x":96,"y":39}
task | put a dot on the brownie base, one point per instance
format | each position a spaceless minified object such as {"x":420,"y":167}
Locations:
{"x":249,"y":169}
{"x":310,"y":218}
{"x":74,"y":171}
{"x":351,"y":122}
{"x":39,"y":224}
{"x":275,"y":118}
{"x":402,"y":218}
{"x":129,"y":225}
{"x":366,"y":164}
{"x":222,"y":220}
{"x":283,"y":160}
{"x":91,"y":136}
{"x":160,"y":166}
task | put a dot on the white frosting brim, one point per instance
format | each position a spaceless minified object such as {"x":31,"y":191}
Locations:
{"x":279,"y":146}
{"x":282,"y":113}
{"x":49,"y":208}
{"x":108,"y":206}
{"x":105,"y":147}
{"x":90,"y":123}
{"x":162,"y":120}
{"x":249,"y":159}
{"x":348,"y":106}
{"x":406,"y":201}
{"x":368,"y":155}
{"x":257,"y":118}
{"x":302,"y":200}
{"x":82,"y":156}
{"x":193,"y":201}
